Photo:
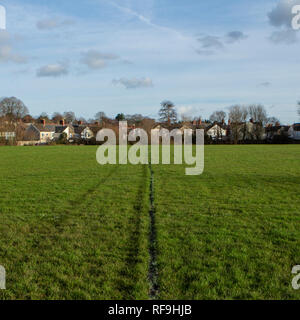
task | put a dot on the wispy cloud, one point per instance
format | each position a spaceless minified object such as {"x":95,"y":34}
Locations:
{"x":235,"y":36}
{"x":95,"y":59}
{"x":53,"y":23}
{"x":7,"y":53}
{"x":266,"y":84}
{"x":146,"y":20}
{"x":134,"y":83}
{"x":53,"y":70}
{"x":287,"y":36}
{"x":211,"y":44}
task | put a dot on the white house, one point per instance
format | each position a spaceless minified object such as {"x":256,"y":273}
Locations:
{"x":87,"y":134}
{"x":62,"y":129}
{"x":294,"y":132}
{"x":216,"y":131}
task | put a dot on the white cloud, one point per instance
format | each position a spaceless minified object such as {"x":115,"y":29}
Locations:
{"x":188,"y":111}
{"x":97,"y":60}
{"x":52,"y":70}
{"x":134,"y":83}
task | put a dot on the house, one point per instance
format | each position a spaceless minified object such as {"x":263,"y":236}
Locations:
{"x":7,"y":131}
{"x":44,"y":133}
{"x":277,"y":132}
{"x":7,"y":135}
{"x":217,"y":131}
{"x":294,"y":132}
{"x":39,"y":132}
{"x":86,"y":132}
{"x":68,"y":130}
{"x":78,"y":129}
{"x":246,"y":131}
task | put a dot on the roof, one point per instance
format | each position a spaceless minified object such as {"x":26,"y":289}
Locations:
{"x":221,"y":125}
{"x":296,"y":127}
{"x":78,"y":129}
{"x":95,"y":129}
{"x":46,"y":128}
{"x":60,"y":129}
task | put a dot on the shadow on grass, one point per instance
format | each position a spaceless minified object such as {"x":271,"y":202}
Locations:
{"x":130,"y":275}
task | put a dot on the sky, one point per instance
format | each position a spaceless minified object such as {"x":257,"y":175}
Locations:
{"x":127,"y":56}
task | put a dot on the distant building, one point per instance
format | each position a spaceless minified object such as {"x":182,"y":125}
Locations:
{"x":294,"y":132}
{"x":217,"y":131}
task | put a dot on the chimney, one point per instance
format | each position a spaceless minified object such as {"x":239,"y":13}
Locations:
{"x":43,"y":122}
{"x":229,"y":122}
{"x":194,"y":123}
{"x":200,"y":122}
{"x":62,"y":122}
{"x":80,"y":123}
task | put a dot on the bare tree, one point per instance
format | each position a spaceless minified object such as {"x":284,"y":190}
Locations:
{"x":100,"y":116}
{"x":259,"y":118}
{"x":82,"y":120}
{"x":299,"y":108}
{"x":238,"y":116}
{"x":43,"y":116}
{"x":167,"y":113}
{"x":13,"y":109}
{"x":218,"y":116}
{"x":57,"y":117}
{"x":69,"y":116}
{"x":134,"y":118}
{"x":273,"y":121}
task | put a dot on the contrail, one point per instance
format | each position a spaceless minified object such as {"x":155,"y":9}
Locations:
{"x":146,"y":20}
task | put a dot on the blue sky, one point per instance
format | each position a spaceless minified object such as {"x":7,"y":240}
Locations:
{"x":129,"y":55}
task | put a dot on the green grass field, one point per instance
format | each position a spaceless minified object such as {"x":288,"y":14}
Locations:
{"x":72,"y":229}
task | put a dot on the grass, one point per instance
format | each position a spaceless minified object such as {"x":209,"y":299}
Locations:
{"x":72,"y":229}
{"x":233,"y":232}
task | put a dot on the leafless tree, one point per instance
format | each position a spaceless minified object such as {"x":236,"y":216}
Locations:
{"x":259,"y":117}
{"x":13,"y":109}
{"x":238,"y":116}
{"x":167,"y":113}
{"x":57,"y":117}
{"x":218,"y":116}
{"x":299,"y":108}
{"x":273,"y":121}
{"x":134,"y":118}
{"x":82,"y":120}
{"x":100,"y":116}
{"x":69,"y":116}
